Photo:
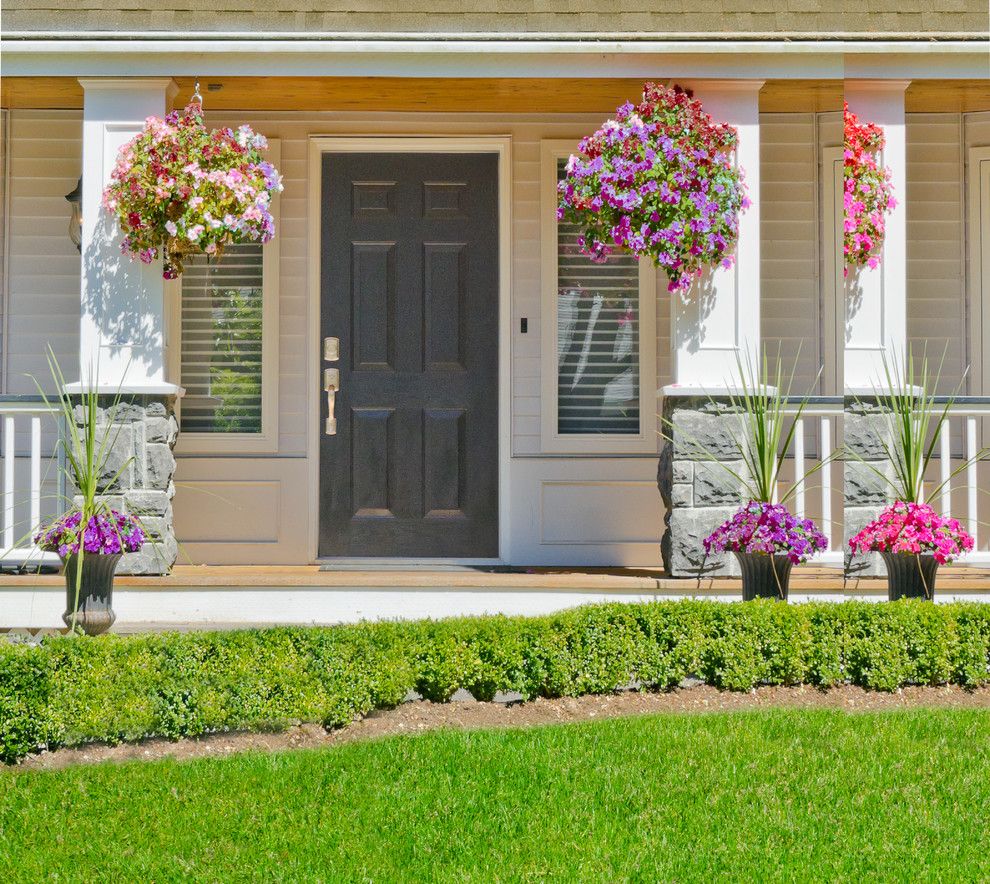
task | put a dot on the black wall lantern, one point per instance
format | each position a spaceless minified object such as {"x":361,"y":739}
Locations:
{"x":75,"y":222}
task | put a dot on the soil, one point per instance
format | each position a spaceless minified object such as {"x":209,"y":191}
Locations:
{"x":420,"y":715}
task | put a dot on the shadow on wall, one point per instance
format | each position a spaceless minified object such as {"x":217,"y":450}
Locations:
{"x":118,"y":299}
{"x":854,"y":299}
{"x":691,"y":309}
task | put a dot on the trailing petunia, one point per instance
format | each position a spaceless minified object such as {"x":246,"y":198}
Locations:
{"x":868,"y":196}
{"x":659,"y":181}
{"x":106,"y":533}
{"x":768,"y":528}
{"x":178,"y":188}
{"x":913,"y":528}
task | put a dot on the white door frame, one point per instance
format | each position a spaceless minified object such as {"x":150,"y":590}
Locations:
{"x":497,"y":144}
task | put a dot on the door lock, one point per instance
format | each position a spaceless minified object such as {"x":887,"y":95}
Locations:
{"x":331,"y":349}
{"x":331,"y":384}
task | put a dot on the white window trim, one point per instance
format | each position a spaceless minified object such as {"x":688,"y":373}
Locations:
{"x":979,"y":268}
{"x":265,"y":442}
{"x":553,"y":442}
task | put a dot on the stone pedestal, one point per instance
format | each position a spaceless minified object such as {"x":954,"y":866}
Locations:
{"x":865,"y":429}
{"x":698,"y":495}
{"x":137,"y":476}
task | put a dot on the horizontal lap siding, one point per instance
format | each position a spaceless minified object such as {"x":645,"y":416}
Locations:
{"x":936,"y":305}
{"x":43,"y":264}
{"x":790,"y":321}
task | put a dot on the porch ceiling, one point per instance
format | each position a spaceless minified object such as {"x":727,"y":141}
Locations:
{"x":478,"y":95}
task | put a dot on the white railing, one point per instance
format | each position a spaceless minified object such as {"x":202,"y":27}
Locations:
{"x":17,"y":415}
{"x":960,"y":496}
{"x":826,"y":412}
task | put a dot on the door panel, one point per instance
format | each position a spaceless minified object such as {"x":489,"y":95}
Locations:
{"x":409,"y":284}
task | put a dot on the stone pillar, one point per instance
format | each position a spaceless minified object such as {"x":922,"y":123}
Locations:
{"x":865,"y":429}
{"x":138,"y":474}
{"x":122,"y":334}
{"x":712,"y":325}
{"x":698,"y":495}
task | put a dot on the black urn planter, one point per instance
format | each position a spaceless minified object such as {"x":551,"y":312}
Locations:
{"x":94,"y":612}
{"x":764,"y":576}
{"x":910,"y":576}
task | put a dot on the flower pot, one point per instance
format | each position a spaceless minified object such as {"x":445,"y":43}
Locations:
{"x":95,"y":612}
{"x":910,"y":576}
{"x":764,"y":576}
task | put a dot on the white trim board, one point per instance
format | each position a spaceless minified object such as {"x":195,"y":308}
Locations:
{"x":497,"y":144}
{"x":552,"y":442}
{"x":265,"y":442}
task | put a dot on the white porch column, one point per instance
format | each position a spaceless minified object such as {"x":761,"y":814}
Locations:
{"x":876,"y":300}
{"x":122,"y":322}
{"x":719,"y":318}
{"x":713,"y":325}
{"x":122,"y":329}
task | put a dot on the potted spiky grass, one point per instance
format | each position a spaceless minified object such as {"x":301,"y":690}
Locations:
{"x":910,"y":536}
{"x":765,"y":537}
{"x":90,"y":537}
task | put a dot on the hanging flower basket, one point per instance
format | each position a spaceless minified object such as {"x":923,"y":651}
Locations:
{"x":179,"y":189}
{"x":868,"y":196}
{"x":658,"y":181}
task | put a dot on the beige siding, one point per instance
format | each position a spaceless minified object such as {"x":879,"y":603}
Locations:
{"x":937,"y":301}
{"x":43,"y":264}
{"x":936,"y":305}
{"x":792,"y":313}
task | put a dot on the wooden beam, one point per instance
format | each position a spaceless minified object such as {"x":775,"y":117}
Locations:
{"x":417,"y":94}
{"x":483,"y":95}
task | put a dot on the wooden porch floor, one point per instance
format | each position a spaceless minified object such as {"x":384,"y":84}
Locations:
{"x":618,"y":580}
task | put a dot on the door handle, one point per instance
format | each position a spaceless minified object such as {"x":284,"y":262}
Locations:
{"x":331,"y":384}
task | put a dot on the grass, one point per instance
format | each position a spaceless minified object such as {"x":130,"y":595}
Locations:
{"x":782,"y":795}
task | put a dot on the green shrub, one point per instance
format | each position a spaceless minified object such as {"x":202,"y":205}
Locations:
{"x":71,"y":691}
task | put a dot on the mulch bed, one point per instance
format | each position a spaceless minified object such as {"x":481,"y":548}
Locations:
{"x":419,"y":716}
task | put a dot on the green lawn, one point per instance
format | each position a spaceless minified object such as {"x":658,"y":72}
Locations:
{"x":748,"y":796}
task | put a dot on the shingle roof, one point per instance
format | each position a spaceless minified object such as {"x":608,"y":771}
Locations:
{"x":822,"y":18}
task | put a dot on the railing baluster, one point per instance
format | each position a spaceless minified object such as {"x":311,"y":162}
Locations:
{"x":35,"y":474}
{"x":9,"y":455}
{"x":799,"y":466}
{"x":826,"y":474}
{"x":945,"y":466}
{"x":971,"y":489}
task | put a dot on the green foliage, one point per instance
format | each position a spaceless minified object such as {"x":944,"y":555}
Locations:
{"x":73,"y":690}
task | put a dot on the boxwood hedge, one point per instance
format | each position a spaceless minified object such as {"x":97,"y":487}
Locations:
{"x":72,"y":690}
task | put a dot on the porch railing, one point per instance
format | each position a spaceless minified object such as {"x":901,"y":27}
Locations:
{"x":23,"y":418}
{"x":820,"y":421}
{"x":967,"y":495}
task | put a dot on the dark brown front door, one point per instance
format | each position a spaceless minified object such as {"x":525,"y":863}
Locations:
{"x":409,"y":283}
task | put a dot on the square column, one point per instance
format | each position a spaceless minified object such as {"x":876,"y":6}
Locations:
{"x":875,"y":325}
{"x":719,"y":316}
{"x":122,"y":328}
{"x":122,"y":318}
{"x":714,"y":324}
{"x":876,"y":299}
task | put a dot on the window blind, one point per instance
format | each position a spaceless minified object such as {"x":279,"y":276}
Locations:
{"x":598,"y":343}
{"x":222,"y":342}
